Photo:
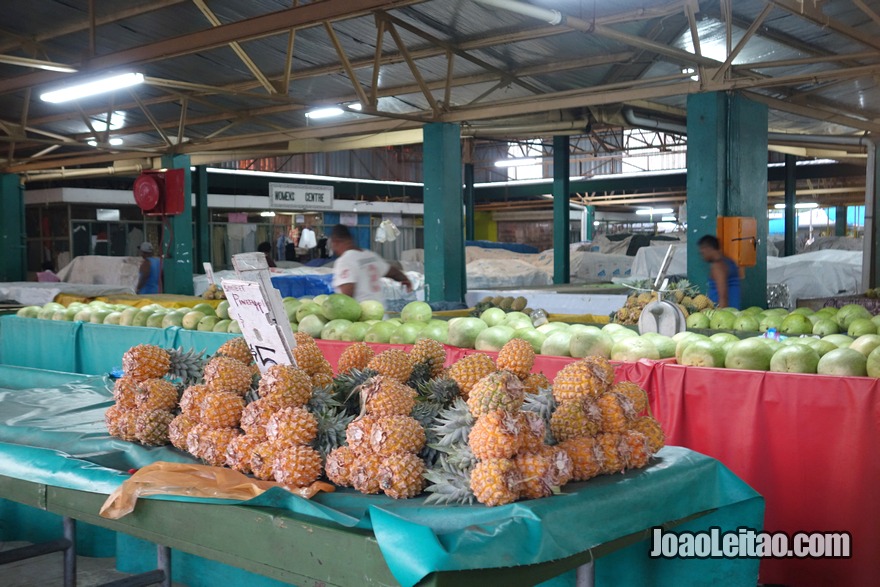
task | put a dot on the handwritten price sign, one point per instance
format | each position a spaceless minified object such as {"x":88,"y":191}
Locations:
{"x":261,"y":331}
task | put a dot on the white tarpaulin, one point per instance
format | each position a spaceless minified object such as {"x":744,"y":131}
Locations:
{"x":101,"y":270}
{"x":31,"y":293}
{"x":488,"y":273}
{"x":647,"y":261}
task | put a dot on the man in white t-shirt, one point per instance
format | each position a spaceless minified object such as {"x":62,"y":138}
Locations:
{"x":358,"y":273}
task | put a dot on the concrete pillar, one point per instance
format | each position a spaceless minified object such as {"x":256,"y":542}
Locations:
{"x":840,"y":221}
{"x":871,"y":256}
{"x":561,"y":209}
{"x":469,"y":201}
{"x":203,"y":219}
{"x":790,"y":201}
{"x":177,"y":242}
{"x":727,"y":176}
{"x":13,"y":261}
{"x":444,"y":206}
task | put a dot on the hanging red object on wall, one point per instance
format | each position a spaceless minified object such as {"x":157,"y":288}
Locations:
{"x":160,"y":193}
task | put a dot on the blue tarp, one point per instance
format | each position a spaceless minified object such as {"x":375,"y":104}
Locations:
{"x":298,"y":286}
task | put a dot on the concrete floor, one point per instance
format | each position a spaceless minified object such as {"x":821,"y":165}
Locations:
{"x":47,"y":570}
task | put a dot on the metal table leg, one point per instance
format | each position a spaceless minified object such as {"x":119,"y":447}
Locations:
{"x":69,"y":525}
{"x":585,"y":575}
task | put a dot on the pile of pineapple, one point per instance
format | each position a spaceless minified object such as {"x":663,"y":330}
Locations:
{"x":683,"y":293}
{"x":397,"y":422}
{"x":214,"y":292}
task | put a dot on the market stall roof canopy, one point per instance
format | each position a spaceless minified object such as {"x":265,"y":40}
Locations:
{"x":225,"y":79}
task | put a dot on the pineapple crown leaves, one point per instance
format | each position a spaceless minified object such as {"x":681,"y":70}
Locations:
{"x":543,"y":403}
{"x":187,"y":366}
{"x":453,"y":424}
{"x":332,"y":423}
{"x":448,"y":484}
{"x":322,"y":399}
{"x":421,"y":374}
{"x":426,"y":412}
{"x":346,"y":388}
{"x":440,"y":390}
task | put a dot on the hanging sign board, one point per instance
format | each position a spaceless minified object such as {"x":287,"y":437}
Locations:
{"x":295,"y":196}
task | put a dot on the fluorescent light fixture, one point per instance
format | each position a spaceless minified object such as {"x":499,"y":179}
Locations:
{"x":355,"y":106}
{"x":668,"y":218}
{"x":691,"y":72}
{"x":653,"y":211}
{"x":117,"y":121}
{"x":98,"y":86}
{"x":798,"y":206}
{"x":324,"y":113}
{"x":269,"y":214}
{"x":517,"y":162}
{"x":596,"y":223}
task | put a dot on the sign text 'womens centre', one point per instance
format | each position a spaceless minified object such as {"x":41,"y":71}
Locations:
{"x":298,"y":196}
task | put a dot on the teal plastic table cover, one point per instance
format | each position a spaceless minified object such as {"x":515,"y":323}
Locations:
{"x":52,"y":431}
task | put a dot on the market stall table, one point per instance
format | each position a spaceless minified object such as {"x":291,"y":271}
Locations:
{"x":346,"y":538}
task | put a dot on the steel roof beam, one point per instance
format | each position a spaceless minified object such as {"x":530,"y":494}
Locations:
{"x":269,"y":24}
{"x":815,"y":15}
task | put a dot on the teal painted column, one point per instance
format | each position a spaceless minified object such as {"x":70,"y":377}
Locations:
{"x":840,"y":221}
{"x":444,"y":207}
{"x":790,"y":201}
{"x":590,"y":220}
{"x":13,"y":261}
{"x":177,"y":243}
{"x":203,"y":219}
{"x":469,"y":201}
{"x":727,"y":176}
{"x":561,"y":209}
{"x":871,"y":254}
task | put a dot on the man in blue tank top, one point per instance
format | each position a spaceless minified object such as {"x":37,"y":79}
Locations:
{"x":148,"y":282}
{"x":724,"y":284}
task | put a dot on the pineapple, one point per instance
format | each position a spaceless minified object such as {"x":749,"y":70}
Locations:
{"x":339,"y":465}
{"x":542,"y":403}
{"x":634,"y":449}
{"x":453,"y":425}
{"x":239,"y":450}
{"x":584,"y":456}
{"x":215,"y":444}
{"x":303,"y":338}
{"x":616,"y":412}
{"x":263,"y":459}
{"x":237,"y":349}
{"x":356,"y":357}
{"x":470,"y":369}
{"x":292,"y":425}
{"x":449,"y":483}
{"x":385,"y":396}
{"x":393,"y":434}
{"x":501,"y":390}
{"x":542,"y":472}
{"x":322,"y":379}
{"x":652,"y":430}
{"x":146,"y":361}
{"x":365,"y":473}
{"x":178,"y":429}
{"x":591,"y":376}
{"x":229,"y":375}
{"x":255,"y":416}
{"x":221,"y":410}
{"x":432,"y":353}
{"x":125,"y":393}
{"x":702,"y":302}
{"x":401,"y":475}
{"x":358,"y":433}
{"x":496,"y":435}
{"x":394,"y":364}
{"x":308,"y":356}
{"x":575,"y":418}
{"x":535,"y":382}
{"x":191,"y":400}
{"x":298,"y":466}
{"x":534,"y":431}
{"x":195,"y":439}
{"x":114,"y":419}
{"x":517,"y":356}
{"x":346,"y":387}
{"x":151,"y":427}
{"x":635,"y":394}
{"x":290,"y":384}
{"x":156,"y":394}
{"x":687,"y":301}
{"x":496,"y":481}
{"x":608,"y":447}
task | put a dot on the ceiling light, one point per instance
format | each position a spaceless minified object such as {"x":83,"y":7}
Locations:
{"x":117,"y":121}
{"x":653,"y":211}
{"x":116,"y":141}
{"x":668,"y":219}
{"x":798,"y":206}
{"x":517,"y":162}
{"x":691,"y":72}
{"x":92,"y":143}
{"x":324,"y":113}
{"x":269,"y":214}
{"x":355,"y":106}
{"x":98,"y":86}
{"x":596,"y":223}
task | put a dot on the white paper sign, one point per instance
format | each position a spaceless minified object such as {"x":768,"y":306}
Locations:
{"x":295,"y":196}
{"x":261,"y":332}
{"x":209,"y":272}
